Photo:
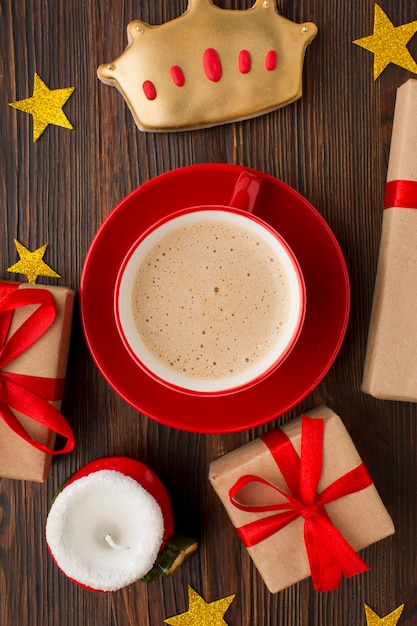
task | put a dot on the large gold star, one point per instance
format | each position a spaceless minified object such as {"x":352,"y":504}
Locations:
{"x":31,"y":263}
{"x":202,"y":613}
{"x":389,"y":43}
{"x":372,"y":618}
{"x":45,"y":106}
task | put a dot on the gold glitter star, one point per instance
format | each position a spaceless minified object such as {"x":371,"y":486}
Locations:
{"x":45,"y":106}
{"x":202,"y":613}
{"x":31,"y":263}
{"x":372,"y":618}
{"x":388,"y":43}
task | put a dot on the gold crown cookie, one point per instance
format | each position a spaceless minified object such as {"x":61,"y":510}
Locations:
{"x":210,"y":66}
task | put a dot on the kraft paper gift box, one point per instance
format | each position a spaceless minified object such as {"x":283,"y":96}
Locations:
{"x":35,"y":326}
{"x":296,"y":517}
{"x":390,"y":368}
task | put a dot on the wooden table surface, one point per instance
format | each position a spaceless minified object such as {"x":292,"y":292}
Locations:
{"x":332,"y":145}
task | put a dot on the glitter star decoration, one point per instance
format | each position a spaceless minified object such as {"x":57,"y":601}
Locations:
{"x":45,"y":106}
{"x":31,"y":263}
{"x":389,"y":43}
{"x":372,"y":619}
{"x":202,"y":613}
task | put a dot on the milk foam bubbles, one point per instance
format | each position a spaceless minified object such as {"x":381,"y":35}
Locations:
{"x":210,"y":299}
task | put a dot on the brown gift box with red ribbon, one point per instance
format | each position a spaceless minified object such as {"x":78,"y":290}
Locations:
{"x":302,"y":502}
{"x":35,"y":327}
{"x":390,"y":368}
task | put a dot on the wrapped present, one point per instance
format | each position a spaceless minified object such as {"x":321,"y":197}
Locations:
{"x":390,"y":368}
{"x":302,"y":502}
{"x":35,"y":325}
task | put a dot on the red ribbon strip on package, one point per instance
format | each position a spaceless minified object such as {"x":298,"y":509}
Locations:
{"x":400,"y":193}
{"x":29,"y":394}
{"x":328,"y":552}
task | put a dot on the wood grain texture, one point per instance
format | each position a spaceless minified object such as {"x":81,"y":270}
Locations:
{"x":333,"y":147}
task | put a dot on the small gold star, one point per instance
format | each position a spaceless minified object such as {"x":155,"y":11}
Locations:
{"x":389,"y":43}
{"x":45,"y":106}
{"x":31,"y":263}
{"x":372,"y":618}
{"x":202,"y":613}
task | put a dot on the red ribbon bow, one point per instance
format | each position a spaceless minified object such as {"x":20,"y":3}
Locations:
{"x":328,"y":552}
{"x":29,"y":394}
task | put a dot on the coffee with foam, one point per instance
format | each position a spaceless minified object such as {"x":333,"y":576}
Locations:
{"x":212,"y":301}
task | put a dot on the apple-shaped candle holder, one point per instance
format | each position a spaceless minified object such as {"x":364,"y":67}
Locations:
{"x":111,"y":524}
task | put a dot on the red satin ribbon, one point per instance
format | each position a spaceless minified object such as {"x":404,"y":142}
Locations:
{"x":29,"y":394}
{"x":328,"y":552}
{"x":401,"y":193}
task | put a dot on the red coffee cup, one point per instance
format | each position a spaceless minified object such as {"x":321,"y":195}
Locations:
{"x":211,"y":299}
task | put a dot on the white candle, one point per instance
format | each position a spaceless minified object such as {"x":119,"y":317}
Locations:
{"x":104,"y":530}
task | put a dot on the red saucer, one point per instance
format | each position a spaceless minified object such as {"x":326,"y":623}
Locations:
{"x":327,"y":287}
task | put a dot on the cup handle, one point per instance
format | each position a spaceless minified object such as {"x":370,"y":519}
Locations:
{"x":246,"y":191}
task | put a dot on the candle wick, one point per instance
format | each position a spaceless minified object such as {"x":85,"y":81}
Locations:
{"x":109,"y":539}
